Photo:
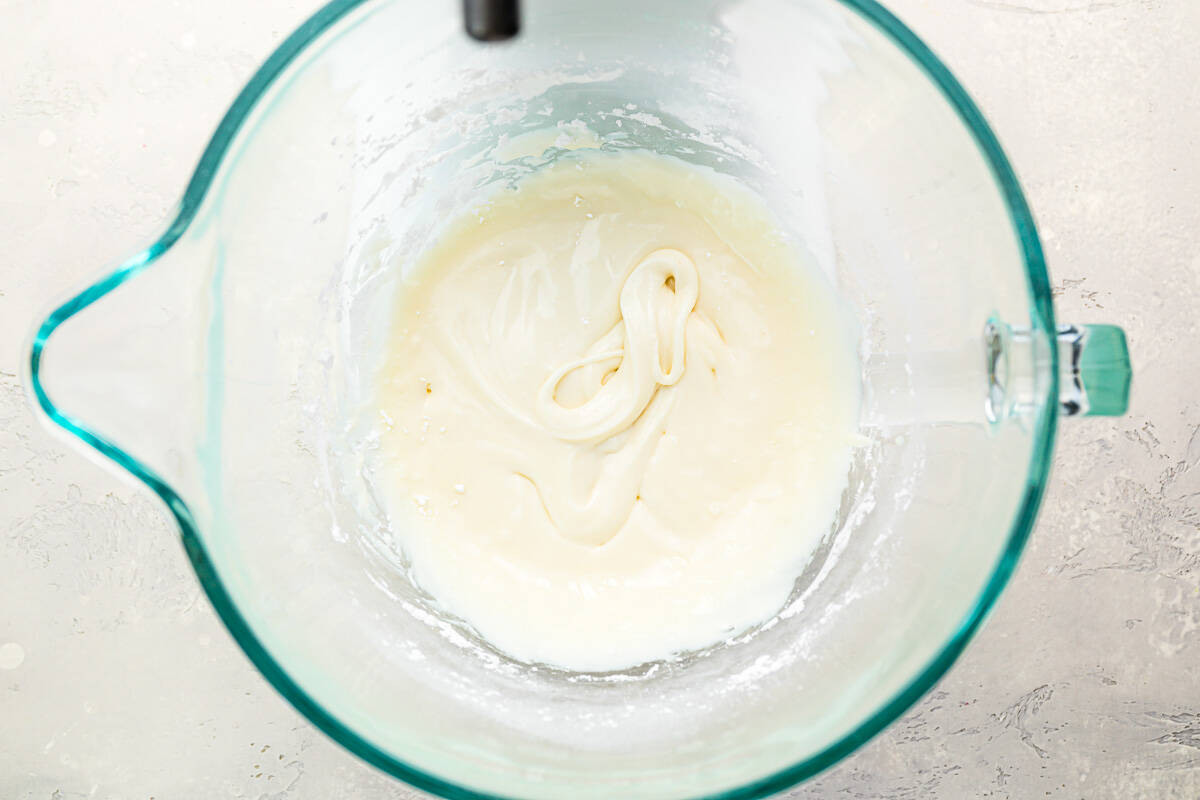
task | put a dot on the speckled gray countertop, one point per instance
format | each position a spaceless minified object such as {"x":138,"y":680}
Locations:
{"x":117,"y":680}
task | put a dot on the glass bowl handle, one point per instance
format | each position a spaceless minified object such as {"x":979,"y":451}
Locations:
{"x":1094,"y":373}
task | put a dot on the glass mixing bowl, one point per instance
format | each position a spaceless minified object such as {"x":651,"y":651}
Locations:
{"x":228,"y":367}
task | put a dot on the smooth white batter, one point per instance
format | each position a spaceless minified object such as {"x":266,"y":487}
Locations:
{"x":619,"y":413}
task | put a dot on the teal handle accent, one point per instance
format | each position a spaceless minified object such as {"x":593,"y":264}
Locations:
{"x":1094,"y":370}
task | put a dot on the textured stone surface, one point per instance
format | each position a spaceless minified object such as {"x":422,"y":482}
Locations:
{"x":117,"y":681}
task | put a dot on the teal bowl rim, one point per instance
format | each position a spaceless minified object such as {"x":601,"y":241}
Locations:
{"x":1043,"y":429}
